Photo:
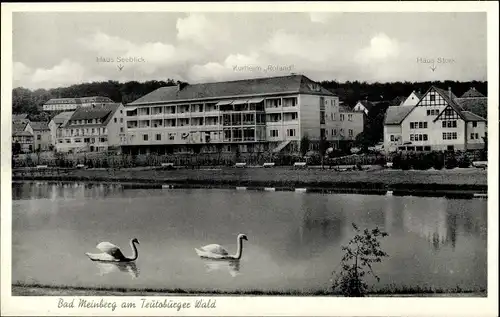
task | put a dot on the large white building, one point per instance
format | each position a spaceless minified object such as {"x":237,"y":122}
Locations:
{"x":250,"y":115}
{"x":439,"y":121}
{"x":68,"y":104}
{"x":92,"y":129}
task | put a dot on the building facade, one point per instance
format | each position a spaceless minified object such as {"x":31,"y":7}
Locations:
{"x":22,"y":133}
{"x":412,"y":99}
{"x":253,"y":115}
{"x":92,"y":129}
{"x":41,"y":136}
{"x":68,"y":104}
{"x":436,"y":122}
{"x":56,"y":125}
{"x":364,"y":106}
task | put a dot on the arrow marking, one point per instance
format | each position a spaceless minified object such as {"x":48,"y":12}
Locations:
{"x":120,"y":67}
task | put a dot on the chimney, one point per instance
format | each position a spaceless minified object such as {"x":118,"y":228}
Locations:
{"x":449,"y":92}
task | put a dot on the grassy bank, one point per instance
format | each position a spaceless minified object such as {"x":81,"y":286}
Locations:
{"x":21,"y":289}
{"x":468,"y":179}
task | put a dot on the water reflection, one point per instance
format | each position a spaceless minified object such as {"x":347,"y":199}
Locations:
{"x":122,"y":267}
{"x":429,"y":220}
{"x":320,"y":225}
{"x":62,"y":190}
{"x":231,"y":266}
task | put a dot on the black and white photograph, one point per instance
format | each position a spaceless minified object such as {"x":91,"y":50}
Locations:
{"x":241,"y":159}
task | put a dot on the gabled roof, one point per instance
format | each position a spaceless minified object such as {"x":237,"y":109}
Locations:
{"x":367,"y":104}
{"x":478,"y":105}
{"x":62,"y":117}
{"x":472,"y":117}
{"x":472,"y":93}
{"x":418,"y":94}
{"x":451,"y":103}
{"x":247,"y":87}
{"x":398,"y":101}
{"x":98,"y":112}
{"x":396,"y":114}
{"x":39,"y":125}
{"x":19,"y":126}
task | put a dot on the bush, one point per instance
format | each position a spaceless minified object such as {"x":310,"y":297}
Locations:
{"x":464,"y":162}
{"x":451,"y":162}
{"x":396,"y":161}
{"x":438,"y":159}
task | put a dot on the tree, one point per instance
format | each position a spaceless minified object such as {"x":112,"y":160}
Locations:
{"x":323,"y":146}
{"x":304,"y":145}
{"x":360,"y":253}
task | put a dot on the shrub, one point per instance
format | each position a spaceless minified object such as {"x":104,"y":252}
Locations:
{"x":464,"y":162}
{"x":359,"y":254}
{"x":451,"y":162}
{"x":396,"y":161}
{"x":438,"y":159}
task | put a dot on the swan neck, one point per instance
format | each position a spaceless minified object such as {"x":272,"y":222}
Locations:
{"x":135,"y":254}
{"x":240,"y":249}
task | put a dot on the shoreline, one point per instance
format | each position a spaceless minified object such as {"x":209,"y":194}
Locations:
{"x":21,"y":289}
{"x":466,"y":183}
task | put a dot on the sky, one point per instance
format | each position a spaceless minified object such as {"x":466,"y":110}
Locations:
{"x":57,"y":49}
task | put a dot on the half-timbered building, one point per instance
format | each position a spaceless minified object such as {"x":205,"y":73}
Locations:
{"x":436,"y":122}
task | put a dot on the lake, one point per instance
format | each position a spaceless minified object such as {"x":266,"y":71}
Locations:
{"x":294,"y":242}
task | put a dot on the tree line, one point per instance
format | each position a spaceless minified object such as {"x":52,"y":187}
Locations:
{"x":31,"y":101}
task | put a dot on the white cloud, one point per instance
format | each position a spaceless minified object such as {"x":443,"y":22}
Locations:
{"x":65,"y":73}
{"x":381,"y":47}
{"x":202,"y":31}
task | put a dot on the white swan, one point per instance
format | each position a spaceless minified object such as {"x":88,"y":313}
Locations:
{"x":111,"y":253}
{"x":215,"y":251}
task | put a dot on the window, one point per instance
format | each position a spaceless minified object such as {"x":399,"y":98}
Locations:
{"x":322,"y":117}
{"x":432,"y":97}
{"x":477,"y":136}
{"x":78,"y":140}
{"x":342,"y":116}
{"x":420,"y":137}
{"x":411,"y":137}
{"x":86,"y":140}
{"x":349,"y":117}
{"x":116,"y":120}
{"x":412,"y":126}
{"x":93,"y":130}
{"x":443,"y":124}
{"x":273,"y":133}
{"x":121,"y":120}
{"x":425,"y":125}
{"x":392,"y":138}
{"x":331,"y":116}
{"x":427,"y":148}
{"x":448,"y":112}
{"x":38,"y":137}
{"x":121,"y":129}
{"x":145,"y":137}
{"x":103,"y":139}
{"x":171,"y":136}
{"x":449,"y":135}
{"x":472,"y":136}
{"x":474,"y":124}
{"x":420,"y":125}
{"x":334,"y":131}
{"x":425,"y":137}
{"x":350,"y":132}
{"x":158,"y":137}
{"x":290,"y":132}
{"x":428,"y":112}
